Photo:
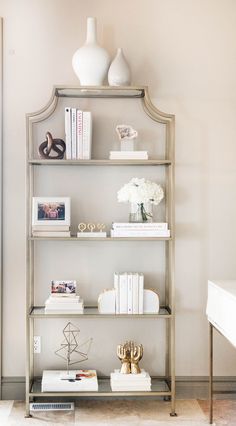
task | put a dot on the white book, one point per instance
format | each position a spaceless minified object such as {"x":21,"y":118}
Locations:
{"x":87,"y":135}
{"x":116,"y":287}
{"x":55,"y":381}
{"x":62,"y":306}
{"x":79,"y":134}
{"x":140,"y":226}
{"x":62,"y":300}
{"x":51,"y":233}
{"x":140,"y":233}
{"x":128,"y":155}
{"x":130,"y":293}
{"x":91,"y":234}
{"x":141,"y":288}
{"x":135,"y":293}
{"x":64,"y":312}
{"x":68,"y":133}
{"x":73,"y":134}
{"x":50,"y":228}
{"x":123,"y":287}
{"x":117,"y":375}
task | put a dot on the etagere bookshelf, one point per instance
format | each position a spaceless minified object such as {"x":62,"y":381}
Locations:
{"x":163,"y":386}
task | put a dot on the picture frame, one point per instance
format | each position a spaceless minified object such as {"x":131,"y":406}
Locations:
{"x":50,"y":211}
{"x":63,"y":287}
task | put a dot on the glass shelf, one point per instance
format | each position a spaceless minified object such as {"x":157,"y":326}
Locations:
{"x":100,"y":239}
{"x":159,"y":387}
{"x":100,"y":92}
{"x":40,"y":162}
{"x":92,"y":312}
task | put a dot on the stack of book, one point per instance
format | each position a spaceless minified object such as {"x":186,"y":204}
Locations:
{"x":130,"y":382}
{"x":78,"y":134}
{"x":51,"y":231}
{"x":63,"y":299}
{"x":128,"y":155}
{"x":82,"y":381}
{"x":129,"y":292}
{"x":150,"y":229}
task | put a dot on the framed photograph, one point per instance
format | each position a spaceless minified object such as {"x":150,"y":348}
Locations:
{"x":63,"y":287}
{"x":51,"y":211}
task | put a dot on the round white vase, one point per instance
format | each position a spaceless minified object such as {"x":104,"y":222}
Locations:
{"x":91,"y":61}
{"x":119,"y":72}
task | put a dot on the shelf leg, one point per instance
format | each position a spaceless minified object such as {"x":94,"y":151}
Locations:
{"x":27,"y":409}
{"x":210,"y":373}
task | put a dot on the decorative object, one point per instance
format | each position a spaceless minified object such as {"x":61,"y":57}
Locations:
{"x":91,"y":62}
{"x":107,"y":302}
{"x":91,"y":227}
{"x":130,"y":354}
{"x":119,"y":71}
{"x":151,"y":303}
{"x":51,"y":145}
{"x":48,"y":211}
{"x":71,"y":346}
{"x":140,"y":192}
{"x":127,"y":135}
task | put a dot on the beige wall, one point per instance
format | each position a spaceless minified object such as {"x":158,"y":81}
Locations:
{"x":185,"y":51}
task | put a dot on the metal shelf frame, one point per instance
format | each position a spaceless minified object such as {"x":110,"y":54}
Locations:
{"x":167,"y":312}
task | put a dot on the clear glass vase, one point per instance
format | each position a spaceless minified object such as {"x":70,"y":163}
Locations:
{"x":141,"y":213}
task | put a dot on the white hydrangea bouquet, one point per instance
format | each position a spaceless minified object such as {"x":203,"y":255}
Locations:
{"x":140,"y":191}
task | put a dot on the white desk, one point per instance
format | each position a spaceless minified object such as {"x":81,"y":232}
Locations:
{"x":221,"y":314}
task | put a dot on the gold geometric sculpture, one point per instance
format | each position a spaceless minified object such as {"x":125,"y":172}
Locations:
{"x":130,"y":354}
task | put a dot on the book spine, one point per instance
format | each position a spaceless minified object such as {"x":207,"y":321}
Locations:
{"x":73,"y":133}
{"x":123,"y":293}
{"x":68,"y":132}
{"x":87,"y":135}
{"x":116,"y":287}
{"x":135,"y":293}
{"x":79,"y":134}
{"x":130,"y":293}
{"x":140,"y":299}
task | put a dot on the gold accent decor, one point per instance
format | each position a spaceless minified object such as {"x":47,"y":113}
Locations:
{"x":130,"y":354}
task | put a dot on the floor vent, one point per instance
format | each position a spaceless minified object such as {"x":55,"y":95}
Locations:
{"x":52,"y":406}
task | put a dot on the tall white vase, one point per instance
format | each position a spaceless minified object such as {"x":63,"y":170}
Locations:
{"x":119,"y":72}
{"x":91,"y":62}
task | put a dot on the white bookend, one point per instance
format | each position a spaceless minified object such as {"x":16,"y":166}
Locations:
{"x":87,"y":134}
{"x":135,"y":293}
{"x":123,"y":281}
{"x":79,"y":134}
{"x":140,"y":299}
{"x":68,"y":133}
{"x":73,"y":134}
{"x":130,"y":293}
{"x":117,"y":291}
{"x":151,"y":304}
{"x":107,"y":302}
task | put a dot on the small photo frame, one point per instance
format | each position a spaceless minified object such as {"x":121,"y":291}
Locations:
{"x":51,"y":211}
{"x":63,"y":287}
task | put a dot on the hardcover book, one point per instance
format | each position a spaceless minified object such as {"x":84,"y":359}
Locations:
{"x":56,"y":381}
